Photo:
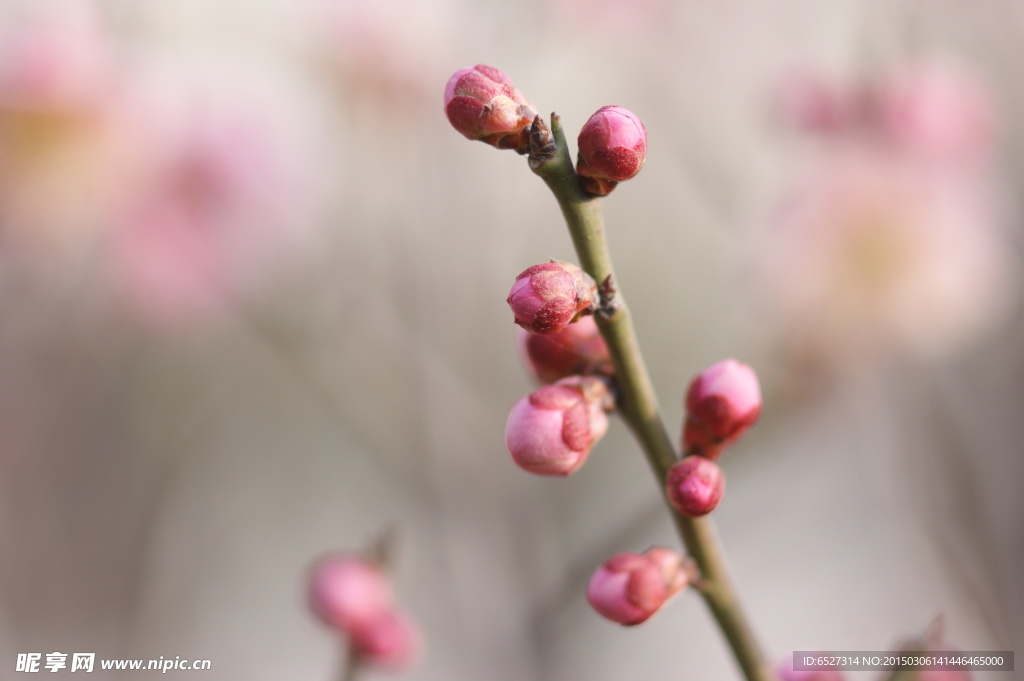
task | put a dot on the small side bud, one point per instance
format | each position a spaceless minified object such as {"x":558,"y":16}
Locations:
{"x":612,"y":147}
{"x":346,"y":590}
{"x":390,"y":641}
{"x":578,"y":349}
{"x":694,"y":486}
{"x":547,"y":297}
{"x":482,"y":104}
{"x":542,"y":143}
{"x":551,"y":431}
{"x":723,"y":401}
{"x":630,"y":587}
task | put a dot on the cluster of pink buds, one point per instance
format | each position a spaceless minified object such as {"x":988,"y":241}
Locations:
{"x":630,"y":587}
{"x":551,"y":430}
{"x":352,"y":595}
{"x":723,"y":401}
{"x":564,"y":320}
{"x":483,"y":104}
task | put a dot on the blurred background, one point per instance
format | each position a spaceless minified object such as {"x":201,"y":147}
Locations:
{"x":252,"y":310}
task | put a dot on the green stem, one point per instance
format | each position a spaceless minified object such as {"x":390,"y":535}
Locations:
{"x":638,"y":403}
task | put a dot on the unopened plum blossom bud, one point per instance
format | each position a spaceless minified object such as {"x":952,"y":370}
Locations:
{"x":547,"y":297}
{"x":612,"y":147}
{"x":352,"y":595}
{"x":346,"y":590}
{"x":551,"y":430}
{"x":482,"y":104}
{"x":390,"y":640}
{"x":694,"y":486}
{"x":578,"y":349}
{"x":723,"y":401}
{"x":630,"y":587}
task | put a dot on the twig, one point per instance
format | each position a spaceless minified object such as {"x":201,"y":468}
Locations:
{"x":637,"y":401}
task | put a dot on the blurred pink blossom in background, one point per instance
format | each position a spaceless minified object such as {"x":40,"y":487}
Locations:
{"x":220,"y":205}
{"x":616,"y":17}
{"x":58,"y":146}
{"x":890,"y":239}
{"x":385,"y":52}
{"x":937,"y":112}
{"x":940,"y":114}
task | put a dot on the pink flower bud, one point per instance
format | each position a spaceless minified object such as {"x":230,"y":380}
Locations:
{"x":612,"y":146}
{"x":482,"y":104}
{"x":390,"y":640}
{"x":347,"y":590}
{"x":629,"y":587}
{"x":694,"y":486}
{"x":551,"y":430}
{"x":578,"y":349}
{"x":546,"y":297}
{"x":723,"y":401}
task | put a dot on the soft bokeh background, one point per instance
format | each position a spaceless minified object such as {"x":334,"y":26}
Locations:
{"x":251,"y":310}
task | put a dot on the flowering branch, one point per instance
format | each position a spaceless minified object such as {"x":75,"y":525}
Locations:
{"x":637,"y":401}
{"x":638,"y":404}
